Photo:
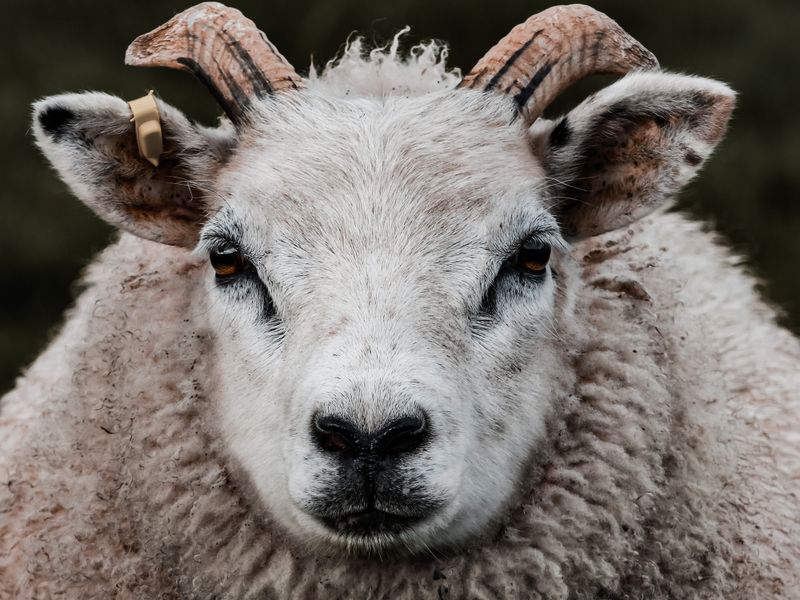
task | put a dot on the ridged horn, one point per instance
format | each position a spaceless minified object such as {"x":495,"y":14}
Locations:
{"x":223,"y":49}
{"x":553,"y":49}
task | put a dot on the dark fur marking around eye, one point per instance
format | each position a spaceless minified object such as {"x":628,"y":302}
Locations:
{"x":268,"y":308}
{"x":561,"y":134}
{"x":56,"y":121}
{"x":489,"y":301}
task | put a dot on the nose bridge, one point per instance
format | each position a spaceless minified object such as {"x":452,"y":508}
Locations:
{"x":385,"y":310}
{"x":376,"y":350}
{"x":379,"y":360}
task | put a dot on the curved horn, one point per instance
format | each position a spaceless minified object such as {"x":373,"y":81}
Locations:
{"x":553,"y":49}
{"x":223,"y":49}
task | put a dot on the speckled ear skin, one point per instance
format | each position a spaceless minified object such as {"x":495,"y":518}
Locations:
{"x":629,"y":148}
{"x":90,"y":141}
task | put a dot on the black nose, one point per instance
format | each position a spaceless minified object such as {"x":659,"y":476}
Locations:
{"x":334,"y":434}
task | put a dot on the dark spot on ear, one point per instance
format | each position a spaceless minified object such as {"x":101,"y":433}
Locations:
{"x":693,"y":158}
{"x":56,"y":120}
{"x":560,"y":134}
{"x":701,"y":100}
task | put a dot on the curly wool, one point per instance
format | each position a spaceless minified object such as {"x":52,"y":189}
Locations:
{"x":385,"y":71}
{"x":670,"y":470}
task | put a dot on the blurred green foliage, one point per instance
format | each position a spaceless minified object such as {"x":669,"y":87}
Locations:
{"x":750,"y":191}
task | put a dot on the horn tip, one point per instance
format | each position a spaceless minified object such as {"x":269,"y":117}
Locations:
{"x":136,"y":52}
{"x":149,"y":48}
{"x":146,"y":51}
{"x":645,"y":60}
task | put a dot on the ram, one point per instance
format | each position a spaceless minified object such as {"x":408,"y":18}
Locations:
{"x":386,"y":332}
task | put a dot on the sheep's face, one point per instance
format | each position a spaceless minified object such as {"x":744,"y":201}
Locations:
{"x":384,"y":310}
{"x":390,"y":330}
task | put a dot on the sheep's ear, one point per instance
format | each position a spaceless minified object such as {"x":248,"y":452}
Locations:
{"x":90,"y":140}
{"x":626,"y":150}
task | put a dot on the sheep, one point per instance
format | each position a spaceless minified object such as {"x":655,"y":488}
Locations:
{"x":387,"y":332}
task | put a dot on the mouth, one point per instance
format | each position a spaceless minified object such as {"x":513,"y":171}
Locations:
{"x":369,"y":522}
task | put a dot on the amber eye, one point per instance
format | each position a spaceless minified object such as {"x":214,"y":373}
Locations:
{"x":228,"y":261}
{"x":533,"y":256}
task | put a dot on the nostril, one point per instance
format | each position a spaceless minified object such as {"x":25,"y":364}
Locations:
{"x":334,"y":435}
{"x":403,"y":435}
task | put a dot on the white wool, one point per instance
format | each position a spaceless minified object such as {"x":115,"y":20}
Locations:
{"x":386,"y":71}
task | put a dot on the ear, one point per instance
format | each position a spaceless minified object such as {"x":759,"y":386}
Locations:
{"x":90,"y":140}
{"x":629,"y":148}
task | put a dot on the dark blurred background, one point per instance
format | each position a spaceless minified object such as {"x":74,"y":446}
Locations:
{"x":750,"y":191}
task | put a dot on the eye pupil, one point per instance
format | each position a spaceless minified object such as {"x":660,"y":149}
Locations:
{"x":228,"y":261}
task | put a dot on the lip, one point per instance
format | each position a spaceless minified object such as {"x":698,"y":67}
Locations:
{"x":369,"y":522}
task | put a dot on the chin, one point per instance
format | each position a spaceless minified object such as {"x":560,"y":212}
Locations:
{"x":376,"y":533}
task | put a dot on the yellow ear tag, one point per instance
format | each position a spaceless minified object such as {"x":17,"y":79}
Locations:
{"x":148,"y":127}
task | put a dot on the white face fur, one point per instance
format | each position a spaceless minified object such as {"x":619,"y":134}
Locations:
{"x":380,"y":234}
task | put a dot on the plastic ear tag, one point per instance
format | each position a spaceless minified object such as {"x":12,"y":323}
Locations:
{"x":148,"y":127}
